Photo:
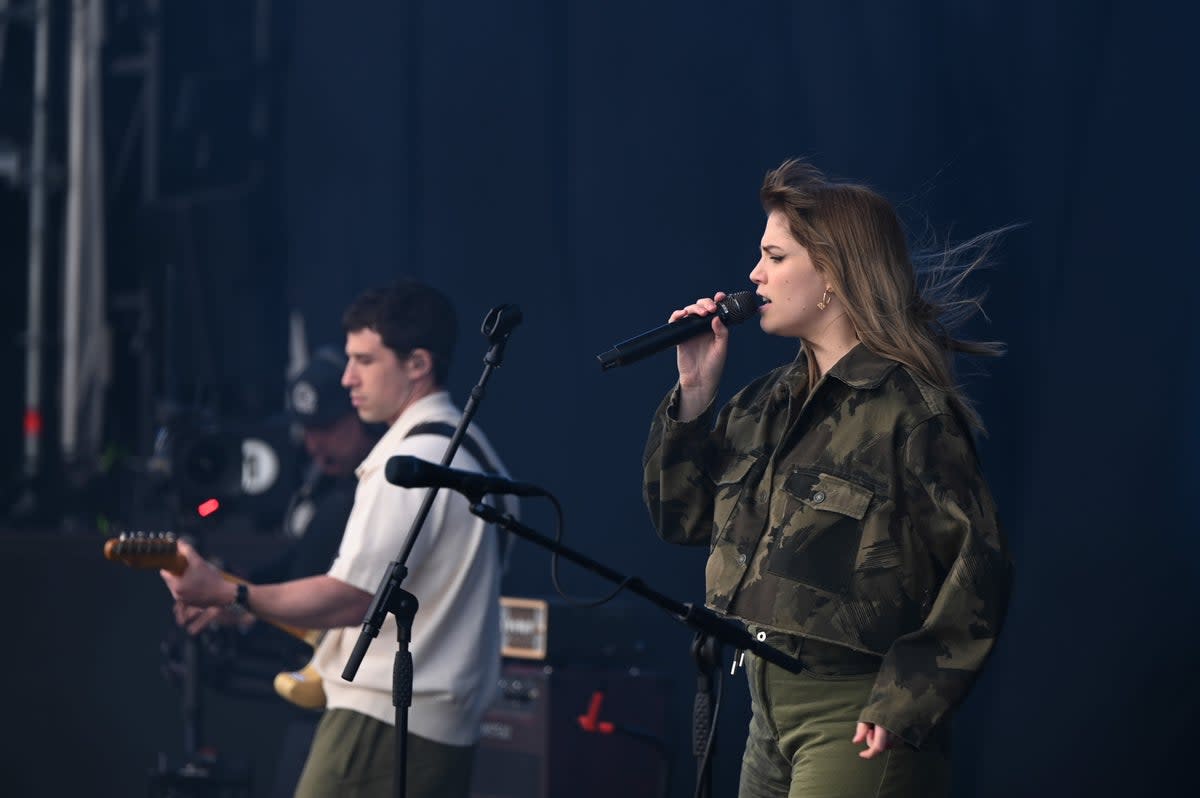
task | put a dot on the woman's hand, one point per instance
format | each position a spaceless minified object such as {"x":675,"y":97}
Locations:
{"x":876,"y":738}
{"x":701,"y":359}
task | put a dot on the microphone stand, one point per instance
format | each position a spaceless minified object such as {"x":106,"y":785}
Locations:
{"x":711,"y":630}
{"x":390,"y":597}
{"x":706,"y":651}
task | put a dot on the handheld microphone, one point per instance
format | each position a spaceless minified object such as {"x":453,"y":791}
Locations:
{"x":413,"y":472}
{"x":733,"y":309}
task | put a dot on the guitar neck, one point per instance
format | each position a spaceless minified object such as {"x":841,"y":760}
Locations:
{"x":160,"y":551}
{"x":310,"y":636}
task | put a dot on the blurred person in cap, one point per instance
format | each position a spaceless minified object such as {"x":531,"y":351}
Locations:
{"x":336,"y":441}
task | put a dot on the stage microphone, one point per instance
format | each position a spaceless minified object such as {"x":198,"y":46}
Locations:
{"x":733,"y":309}
{"x":413,"y":472}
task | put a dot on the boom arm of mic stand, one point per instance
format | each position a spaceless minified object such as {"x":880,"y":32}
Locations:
{"x":699,"y":618}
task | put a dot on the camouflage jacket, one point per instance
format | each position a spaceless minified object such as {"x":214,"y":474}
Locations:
{"x":857,"y":516}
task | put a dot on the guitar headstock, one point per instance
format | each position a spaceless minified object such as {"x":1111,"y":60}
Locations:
{"x":146,"y":550}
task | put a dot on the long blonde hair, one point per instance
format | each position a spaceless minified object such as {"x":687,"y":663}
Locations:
{"x":856,"y":239}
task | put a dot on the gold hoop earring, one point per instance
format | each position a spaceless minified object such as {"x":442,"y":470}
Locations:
{"x":824,"y":303}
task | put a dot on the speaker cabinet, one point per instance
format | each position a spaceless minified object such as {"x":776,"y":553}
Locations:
{"x":533,"y":745}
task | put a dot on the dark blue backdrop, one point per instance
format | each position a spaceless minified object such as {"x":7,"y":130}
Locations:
{"x":599,"y":163}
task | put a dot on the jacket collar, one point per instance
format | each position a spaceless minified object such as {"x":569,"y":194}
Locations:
{"x":858,"y":368}
{"x":862,"y":368}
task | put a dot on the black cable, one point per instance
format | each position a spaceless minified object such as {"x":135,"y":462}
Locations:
{"x":558,"y":538}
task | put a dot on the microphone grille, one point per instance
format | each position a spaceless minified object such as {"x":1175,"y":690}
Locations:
{"x":738,"y":307}
{"x":402,"y":470}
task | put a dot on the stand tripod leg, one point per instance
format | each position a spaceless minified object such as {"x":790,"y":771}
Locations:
{"x":706,"y":652}
{"x":405,"y":610}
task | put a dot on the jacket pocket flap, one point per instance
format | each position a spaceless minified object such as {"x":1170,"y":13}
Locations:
{"x":826,"y":492}
{"x":735,"y":472}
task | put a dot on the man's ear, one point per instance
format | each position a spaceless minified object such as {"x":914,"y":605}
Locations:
{"x":419,"y":364}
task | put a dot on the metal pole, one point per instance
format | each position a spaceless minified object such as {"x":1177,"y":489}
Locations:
{"x":3,"y":30}
{"x":151,"y":39}
{"x":96,"y":344}
{"x":72,"y":247}
{"x":37,"y":235}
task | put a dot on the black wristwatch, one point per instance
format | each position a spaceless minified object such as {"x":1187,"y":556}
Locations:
{"x":241,"y":599}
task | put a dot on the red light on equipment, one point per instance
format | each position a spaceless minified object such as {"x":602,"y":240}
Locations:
{"x":32,"y":423}
{"x":208,"y":508}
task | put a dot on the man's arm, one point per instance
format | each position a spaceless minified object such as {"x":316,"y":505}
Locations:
{"x":315,"y":602}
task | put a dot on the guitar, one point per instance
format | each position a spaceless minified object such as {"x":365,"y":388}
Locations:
{"x":159,"y":550}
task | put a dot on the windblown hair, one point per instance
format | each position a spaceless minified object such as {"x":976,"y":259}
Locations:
{"x":408,"y":315}
{"x":856,"y":239}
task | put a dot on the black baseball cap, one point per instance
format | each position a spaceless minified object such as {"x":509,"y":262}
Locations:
{"x":316,"y":398}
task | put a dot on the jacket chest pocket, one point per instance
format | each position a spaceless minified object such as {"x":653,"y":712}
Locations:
{"x":818,"y":524}
{"x":729,"y":488}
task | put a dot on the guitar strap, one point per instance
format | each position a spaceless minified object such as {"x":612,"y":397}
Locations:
{"x":475,"y":450}
{"x":468,"y":443}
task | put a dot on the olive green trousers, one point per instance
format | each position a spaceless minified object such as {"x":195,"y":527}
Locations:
{"x":353,"y":756}
{"x":801,"y":727}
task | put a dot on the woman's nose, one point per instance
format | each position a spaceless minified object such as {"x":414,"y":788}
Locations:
{"x":755,"y":273}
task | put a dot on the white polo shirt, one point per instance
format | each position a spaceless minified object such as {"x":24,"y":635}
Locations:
{"x":453,"y":570}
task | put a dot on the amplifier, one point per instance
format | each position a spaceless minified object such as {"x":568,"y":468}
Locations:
{"x":573,"y":731}
{"x":547,"y":629}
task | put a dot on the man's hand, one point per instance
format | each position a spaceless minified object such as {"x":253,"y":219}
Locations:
{"x":197,"y":619}
{"x":200,"y":585}
{"x":876,"y":738}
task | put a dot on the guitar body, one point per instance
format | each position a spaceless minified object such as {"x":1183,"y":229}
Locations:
{"x":159,"y":551}
{"x":303,"y":687}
